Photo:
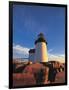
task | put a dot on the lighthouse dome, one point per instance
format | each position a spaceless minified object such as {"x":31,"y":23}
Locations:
{"x":40,"y":38}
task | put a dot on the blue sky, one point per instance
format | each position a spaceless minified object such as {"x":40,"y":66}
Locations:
{"x":29,"y":21}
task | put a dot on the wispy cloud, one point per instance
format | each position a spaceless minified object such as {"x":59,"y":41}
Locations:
{"x":50,"y":50}
{"x":32,"y":24}
{"x":56,"y":57}
{"x":20,"y":51}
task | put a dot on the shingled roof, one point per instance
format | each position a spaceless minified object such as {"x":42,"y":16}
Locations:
{"x":32,"y":51}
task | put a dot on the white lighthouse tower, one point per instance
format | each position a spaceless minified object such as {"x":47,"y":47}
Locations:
{"x":41,"y":54}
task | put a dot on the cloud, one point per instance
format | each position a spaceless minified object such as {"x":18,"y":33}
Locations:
{"x":50,"y":50}
{"x":56,"y":57}
{"x":20,"y":51}
{"x":30,"y":23}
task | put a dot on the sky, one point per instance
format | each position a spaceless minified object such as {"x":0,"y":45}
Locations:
{"x":29,"y":21}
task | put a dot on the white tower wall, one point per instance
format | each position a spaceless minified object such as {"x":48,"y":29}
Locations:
{"x":41,"y":52}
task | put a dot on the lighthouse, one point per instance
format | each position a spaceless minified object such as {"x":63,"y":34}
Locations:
{"x":41,"y":54}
